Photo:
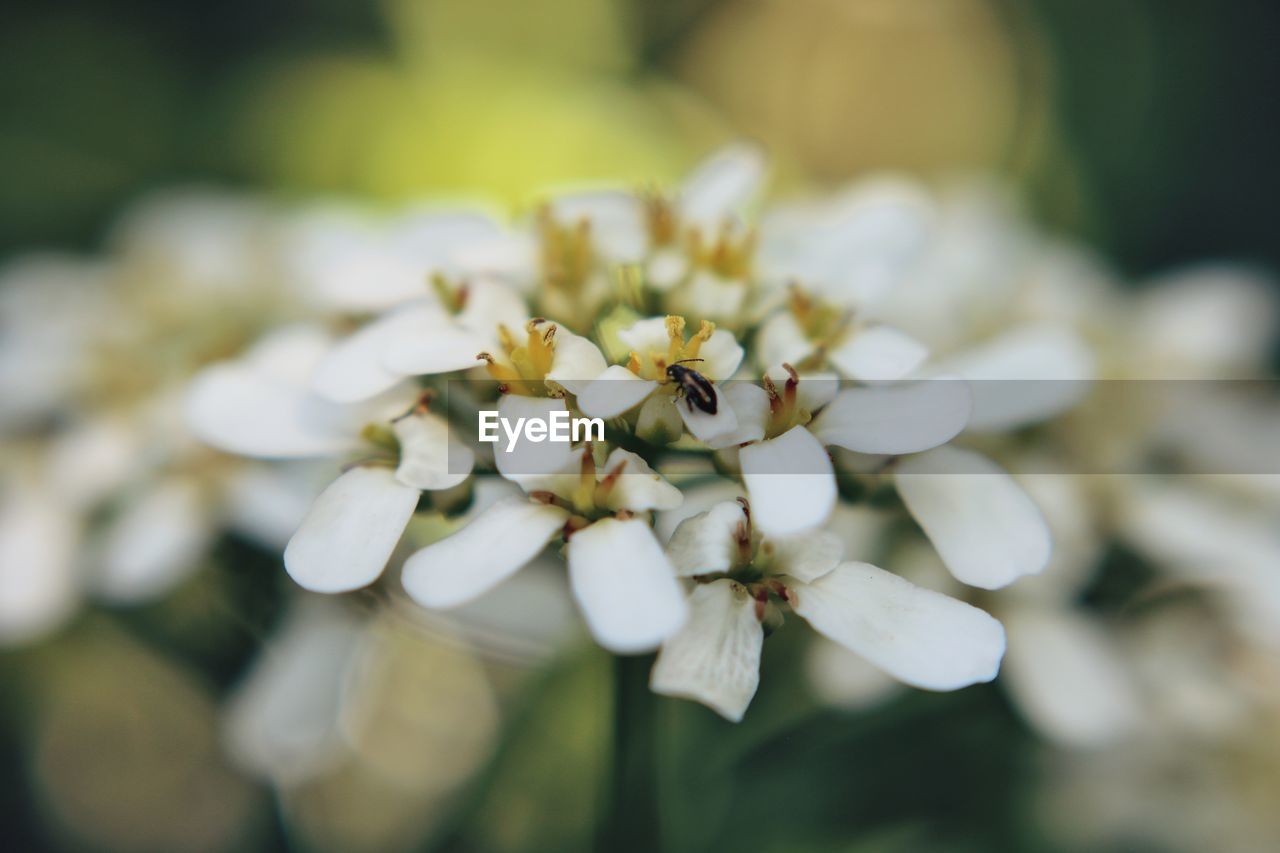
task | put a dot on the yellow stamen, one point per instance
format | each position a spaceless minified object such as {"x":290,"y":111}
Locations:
{"x":507,"y":338}
{"x":541,"y":346}
{"x":692,"y":348}
{"x":503,"y":373}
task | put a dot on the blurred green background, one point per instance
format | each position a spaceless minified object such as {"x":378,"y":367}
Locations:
{"x":1149,"y":126}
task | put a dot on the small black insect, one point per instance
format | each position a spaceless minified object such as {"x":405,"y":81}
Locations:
{"x":697,"y":389}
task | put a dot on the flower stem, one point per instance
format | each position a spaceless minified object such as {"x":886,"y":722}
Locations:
{"x":630,"y":820}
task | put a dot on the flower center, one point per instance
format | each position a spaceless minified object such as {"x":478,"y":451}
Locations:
{"x":785,"y":410}
{"x":527,"y":363}
{"x":653,"y":364}
{"x":380,"y":436}
{"x":752,"y":567}
{"x":727,"y":255}
{"x":822,"y":322}
{"x":661,"y":220}
{"x":567,"y":253}
{"x":453,"y":297}
{"x":588,"y":499}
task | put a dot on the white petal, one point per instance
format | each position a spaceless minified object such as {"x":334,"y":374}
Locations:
{"x":750,"y":405}
{"x":1067,"y":678}
{"x":647,"y":335}
{"x":431,"y":239}
{"x":711,"y":296}
{"x":639,"y":488}
{"x":283,"y":718}
{"x":491,"y":304}
{"x":512,"y":257}
{"x":348,"y":536}
{"x":340,"y":259}
{"x":715,"y":658}
{"x":422,"y":340}
{"x":854,"y":249}
{"x":666,"y":269}
{"x":493,"y":546}
{"x":613,"y":392}
{"x":878,"y":354}
{"x":916,"y":635}
{"x":91,"y":459}
{"x":1229,"y":547}
{"x":234,"y":407}
{"x":780,"y":340}
{"x":624,"y":585}
{"x":1024,"y":376}
{"x":895,"y":419}
{"x":1068,"y":505}
{"x":267,"y":503}
{"x":617,"y":222}
{"x":289,"y":354}
{"x":806,"y":557}
{"x":878,"y":231}
{"x":527,"y":618}
{"x":354,"y":370}
{"x":39,"y":587}
{"x":705,"y":543}
{"x":697,"y":499}
{"x":576,"y":358}
{"x":721,"y":354}
{"x":431,"y":457}
{"x":791,"y":482}
{"x":720,"y":185}
{"x":155,"y":543}
{"x":529,"y":459}
{"x":985,"y":527}
{"x":705,"y":426}
{"x":1207,"y":321}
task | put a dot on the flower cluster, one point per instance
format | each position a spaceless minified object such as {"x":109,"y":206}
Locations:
{"x":715,"y":347}
{"x":104,"y":494}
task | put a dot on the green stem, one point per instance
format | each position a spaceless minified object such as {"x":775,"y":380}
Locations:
{"x":630,"y":820}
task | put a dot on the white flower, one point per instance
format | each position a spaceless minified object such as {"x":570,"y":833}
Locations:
{"x":1025,"y":375}
{"x":655,"y":344}
{"x":200,"y":243}
{"x":918,"y":636}
{"x":39,"y":577}
{"x":623,"y":583}
{"x":987,"y":530}
{"x":283,"y":720}
{"x":1207,"y":321}
{"x":853,"y":249}
{"x":345,"y":259}
{"x":423,"y":336}
{"x":262,"y":406}
{"x":784,"y":463}
{"x":690,"y":246}
{"x":50,"y":308}
{"x":1225,"y":545}
{"x":837,"y":260}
